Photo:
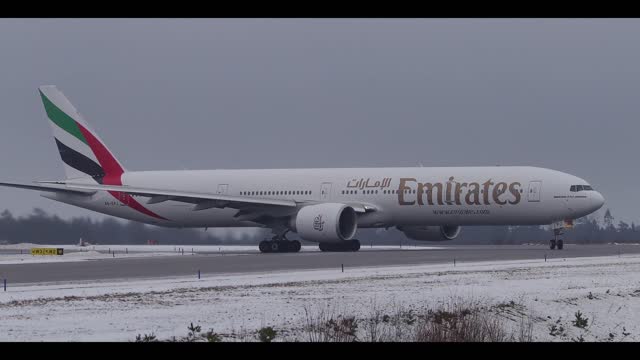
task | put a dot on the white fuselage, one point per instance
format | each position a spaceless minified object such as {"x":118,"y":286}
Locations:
{"x":500,"y":195}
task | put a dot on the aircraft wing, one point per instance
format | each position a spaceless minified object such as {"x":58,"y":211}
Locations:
{"x":251,"y":207}
{"x":205,"y":200}
{"x":50,"y":187}
{"x":202,"y":200}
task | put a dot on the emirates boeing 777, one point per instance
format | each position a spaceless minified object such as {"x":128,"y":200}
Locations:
{"x":326,"y":206}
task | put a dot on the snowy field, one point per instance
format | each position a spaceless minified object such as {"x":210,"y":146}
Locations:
{"x":606,"y":290}
{"x":10,"y":254}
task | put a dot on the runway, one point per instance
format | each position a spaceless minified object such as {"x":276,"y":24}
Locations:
{"x":253,"y":262}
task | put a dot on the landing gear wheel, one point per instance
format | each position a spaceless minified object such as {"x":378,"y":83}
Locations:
{"x":552,"y":244}
{"x":274,"y":246}
{"x":355,"y":245}
{"x":286,"y":246}
{"x":264,"y":246}
{"x":295,"y":246}
{"x":560,"y":244}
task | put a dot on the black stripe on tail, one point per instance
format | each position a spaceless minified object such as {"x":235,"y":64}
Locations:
{"x":80,"y":162}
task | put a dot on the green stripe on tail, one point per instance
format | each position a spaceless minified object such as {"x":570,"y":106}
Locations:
{"x":64,"y":121}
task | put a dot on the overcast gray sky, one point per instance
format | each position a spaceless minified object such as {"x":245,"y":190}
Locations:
{"x":280,"y":93}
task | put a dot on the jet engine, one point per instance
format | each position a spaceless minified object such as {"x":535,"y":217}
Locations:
{"x":326,"y":223}
{"x":431,"y":233}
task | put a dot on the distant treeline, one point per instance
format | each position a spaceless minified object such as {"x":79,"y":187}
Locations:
{"x":40,"y":228}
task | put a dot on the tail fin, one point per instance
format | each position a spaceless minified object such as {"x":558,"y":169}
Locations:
{"x":82,"y":151}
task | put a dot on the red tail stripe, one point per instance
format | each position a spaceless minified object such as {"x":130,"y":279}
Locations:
{"x":109,"y":164}
{"x":113,"y":171}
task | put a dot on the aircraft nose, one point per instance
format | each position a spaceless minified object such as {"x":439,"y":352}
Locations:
{"x":597,"y":200}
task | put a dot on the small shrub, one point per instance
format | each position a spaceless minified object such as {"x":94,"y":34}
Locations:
{"x":210,"y":336}
{"x":266,"y":334}
{"x":146,"y":338}
{"x":557,"y":329}
{"x":193,"y":334}
{"x":461,"y":322}
{"x":580,"y":322}
{"x":579,"y":339}
{"x":325,"y":327}
{"x":624,"y":332}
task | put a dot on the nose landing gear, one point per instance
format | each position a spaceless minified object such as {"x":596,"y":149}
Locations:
{"x":555,"y":242}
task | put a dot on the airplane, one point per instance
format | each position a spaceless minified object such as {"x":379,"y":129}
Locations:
{"x":322,"y":205}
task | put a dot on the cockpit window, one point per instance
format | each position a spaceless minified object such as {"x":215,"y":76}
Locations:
{"x":576,"y":188}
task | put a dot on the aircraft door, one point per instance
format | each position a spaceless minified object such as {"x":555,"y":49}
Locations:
{"x":534,"y":191}
{"x":325,"y":191}
{"x":222,"y":189}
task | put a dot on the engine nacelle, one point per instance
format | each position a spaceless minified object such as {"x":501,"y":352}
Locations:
{"x":328,"y":222}
{"x":431,"y":233}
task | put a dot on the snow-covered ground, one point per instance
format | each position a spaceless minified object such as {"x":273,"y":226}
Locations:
{"x":606,"y":290}
{"x":95,"y":252}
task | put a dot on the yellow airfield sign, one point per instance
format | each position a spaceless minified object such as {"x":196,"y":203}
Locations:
{"x":47,"y":251}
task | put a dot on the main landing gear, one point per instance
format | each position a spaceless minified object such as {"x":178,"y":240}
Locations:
{"x":555,"y":242}
{"x":279,"y":244}
{"x":349,"y":245}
